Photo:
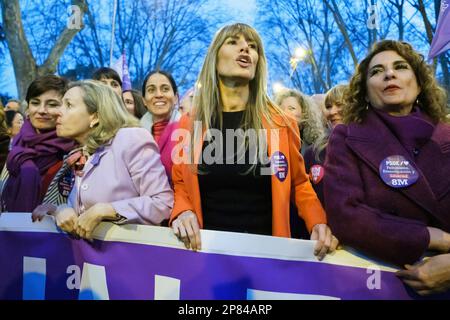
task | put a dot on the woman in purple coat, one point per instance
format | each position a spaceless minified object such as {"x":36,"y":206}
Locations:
{"x":387,"y":188}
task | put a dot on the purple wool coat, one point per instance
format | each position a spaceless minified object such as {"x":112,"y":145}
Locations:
{"x":367,"y":214}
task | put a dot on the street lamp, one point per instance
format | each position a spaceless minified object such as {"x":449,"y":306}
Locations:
{"x":277,"y":87}
{"x":299,"y":54}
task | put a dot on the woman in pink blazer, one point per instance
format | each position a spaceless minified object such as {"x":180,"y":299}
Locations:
{"x":117,"y":172}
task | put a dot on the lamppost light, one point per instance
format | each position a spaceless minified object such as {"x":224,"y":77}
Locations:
{"x":277,"y":87}
{"x":300,"y":53}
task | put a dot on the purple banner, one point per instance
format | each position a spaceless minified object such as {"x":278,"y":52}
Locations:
{"x":36,"y":264}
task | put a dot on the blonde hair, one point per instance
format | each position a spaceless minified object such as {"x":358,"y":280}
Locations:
{"x":335,"y":95}
{"x":3,"y":126}
{"x":207,"y":100}
{"x":111,"y":112}
{"x":311,"y":123}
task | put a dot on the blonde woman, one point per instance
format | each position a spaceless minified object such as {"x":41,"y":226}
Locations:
{"x":316,"y":153}
{"x":307,"y":114}
{"x":234,"y":189}
{"x":118,"y":174}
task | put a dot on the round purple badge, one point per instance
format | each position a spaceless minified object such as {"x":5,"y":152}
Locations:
{"x":397,"y":172}
{"x":279,"y":165}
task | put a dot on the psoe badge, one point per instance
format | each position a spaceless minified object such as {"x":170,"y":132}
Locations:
{"x":397,"y":172}
{"x":279,"y":165}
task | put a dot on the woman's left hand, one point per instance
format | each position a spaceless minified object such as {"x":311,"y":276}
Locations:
{"x":91,"y":218}
{"x":429,"y":276}
{"x":326,"y":242}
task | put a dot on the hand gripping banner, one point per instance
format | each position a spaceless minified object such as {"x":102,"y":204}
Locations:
{"x":38,"y":261}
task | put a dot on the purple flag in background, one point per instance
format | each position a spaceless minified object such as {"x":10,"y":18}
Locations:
{"x":121,"y":67}
{"x":441,"y":40}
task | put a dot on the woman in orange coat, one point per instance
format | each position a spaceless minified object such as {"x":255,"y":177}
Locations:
{"x":244,"y":186}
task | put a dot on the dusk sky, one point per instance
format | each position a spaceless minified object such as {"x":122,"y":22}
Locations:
{"x":234,"y":11}
{"x":281,"y":25}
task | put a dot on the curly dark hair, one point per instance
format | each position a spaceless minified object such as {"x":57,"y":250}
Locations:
{"x":432,"y":99}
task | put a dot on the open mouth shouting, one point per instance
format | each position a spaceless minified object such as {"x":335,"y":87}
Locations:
{"x":245,"y":61}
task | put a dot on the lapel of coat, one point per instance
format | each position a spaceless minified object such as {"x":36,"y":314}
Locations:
{"x":373,"y":142}
{"x":95,"y":160}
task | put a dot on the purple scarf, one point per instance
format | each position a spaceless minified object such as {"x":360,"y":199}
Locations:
{"x":31,"y":156}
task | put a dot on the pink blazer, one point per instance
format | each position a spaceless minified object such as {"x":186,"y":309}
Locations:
{"x":127,"y":173}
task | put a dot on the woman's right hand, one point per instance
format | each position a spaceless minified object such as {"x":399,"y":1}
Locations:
{"x":186,"y":228}
{"x":66,"y":219}
{"x":42,"y":210}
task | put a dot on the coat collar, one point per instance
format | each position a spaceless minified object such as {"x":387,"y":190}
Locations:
{"x":373,"y":142}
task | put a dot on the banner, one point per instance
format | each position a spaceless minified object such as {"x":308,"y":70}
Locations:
{"x":37,"y":261}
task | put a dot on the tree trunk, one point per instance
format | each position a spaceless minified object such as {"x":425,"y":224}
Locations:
{"x":341,"y":25}
{"x":25,"y":68}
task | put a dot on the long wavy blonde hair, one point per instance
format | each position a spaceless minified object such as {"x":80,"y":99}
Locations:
{"x":312,"y":122}
{"x":207,"y":99}
{"x":111,"y":112}
{"x":432,"y":99}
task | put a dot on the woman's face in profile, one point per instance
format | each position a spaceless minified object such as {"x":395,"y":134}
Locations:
{"x":73,"y":119}
{"x":237,"y":58}
{"x":391,"y":82}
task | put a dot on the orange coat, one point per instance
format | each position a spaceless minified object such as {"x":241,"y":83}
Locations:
{"x":187,"y":191}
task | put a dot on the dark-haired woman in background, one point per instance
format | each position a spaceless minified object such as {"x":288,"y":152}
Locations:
{"x":134,"y":103}
{"x":14,"y":122}
{"x":160,"y":94}
{"x":110,"y":77}
{"x":37,"y":153}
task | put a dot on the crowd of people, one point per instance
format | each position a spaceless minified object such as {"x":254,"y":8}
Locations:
{"x":365,"y":165}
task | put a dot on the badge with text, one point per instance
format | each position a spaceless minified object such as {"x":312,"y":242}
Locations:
{"x":316,"y":173}
{"x":279,"y":165}
{"x":397,"y":172}
{"x":65,"y":183}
